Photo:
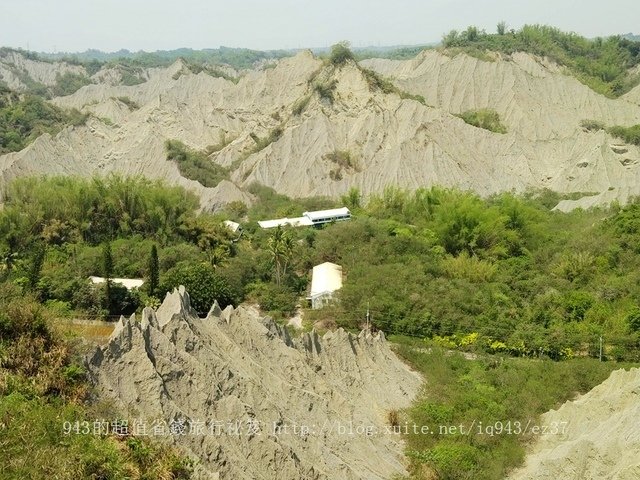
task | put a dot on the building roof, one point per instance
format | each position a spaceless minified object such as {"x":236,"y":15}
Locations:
{"x":308,"y":218}
{"x":294,"y":222}
{"x":128,"y":283}
{"x":326,"y":278}
{"x":233,"y":226}
{"x":335,"y":212}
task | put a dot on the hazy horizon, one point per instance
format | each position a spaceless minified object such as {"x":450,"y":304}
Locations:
{"x":76,"y":26}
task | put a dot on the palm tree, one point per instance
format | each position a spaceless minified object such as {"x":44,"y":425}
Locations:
{"x":281,"y":246}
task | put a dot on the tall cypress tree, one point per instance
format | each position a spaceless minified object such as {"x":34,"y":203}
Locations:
{"x":107,"y":272}
{"x":36,"y":266}
{"x":154,"y":271}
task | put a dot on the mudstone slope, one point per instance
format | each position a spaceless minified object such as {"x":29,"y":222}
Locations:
{"x":266,"y":405}
{"x":279,"y":126}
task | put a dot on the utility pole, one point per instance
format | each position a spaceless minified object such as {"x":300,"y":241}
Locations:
{"x":367,"y":323}
{"x":600,"y":347}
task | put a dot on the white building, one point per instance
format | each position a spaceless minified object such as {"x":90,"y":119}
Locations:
{"x":128,"y":283}
{"x":281,"y":222}
{"x":235,"y":227}
{"x":326,"y":279}
{"x":308,"y":219}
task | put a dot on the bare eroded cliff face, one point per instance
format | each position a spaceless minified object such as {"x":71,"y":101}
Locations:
{"x":265,"y":405}
{"x":310,"y":110}
{"x":598,"y":437}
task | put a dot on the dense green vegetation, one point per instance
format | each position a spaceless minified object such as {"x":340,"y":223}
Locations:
{"x":195,"y":165}
{"x":627,"y":134}
{"x":479,"y":408}
{"x":603,"y":64}
{"x":342,"y":161}
{"x":392,"y":53}
{"x":131,"y":105}
{"x":51,"y":248}
{"x":236,"y":57}
{"x":377,"y":82}
{"x":340,"y":55}
{"x":23,"y":118}
{"x":211,"y":70}
{"x":69,"y":83}
{"x":526,"y":280}
{"x":527,"y":290}
{"x":42,"y":386}
{"x":484,"y":118}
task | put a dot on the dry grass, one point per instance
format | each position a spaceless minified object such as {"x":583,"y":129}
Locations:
{"x":93,"y":331}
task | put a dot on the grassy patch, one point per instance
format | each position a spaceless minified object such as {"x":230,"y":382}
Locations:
{"x":222,"y":143}
{"x":69,"y":83}
{"x":195,"y":165}
{"x":325,"y":90}
{"x":630,"y":135}
{"x":108,"y":122}
{"x":262,"y":143}
{"x":377,"y":82}
{"x":592,"y":125}
{"x":42,"y":392}
{"x":343,"y":161}
{"x":603,"y":64}
{"x":301,"y":105}
{"x":23,"y":119}
{"x":484,"y":118}
{"x":210,"y":70}
{"x":503,"y":394}
{"x":131,"y":105}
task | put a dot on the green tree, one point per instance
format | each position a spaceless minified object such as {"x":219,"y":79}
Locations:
{"x":107,"y":272}
{"x":633,"y":320}
{"x":202,"y":283}
{"x":341,"y":54}
{"x":36,"y":267}
{"x":352,"y":198}
{"x":154,"y":271}
{"x":450,"y":39}
{"x":281,"y":246}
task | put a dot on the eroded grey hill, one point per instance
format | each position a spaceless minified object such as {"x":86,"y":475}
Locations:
{"x":593,"y":436}
{"x":308,"y":400}
{"x":282,"y":127}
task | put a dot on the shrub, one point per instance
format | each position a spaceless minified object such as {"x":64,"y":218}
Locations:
{"x":262,"y":143}
{"x":592,"y":125}
{"x":325,"y":90}
{"x":202,"y":283}
{"x":484,"y":118}
{"x":24,"y":120}
{"x":301,"y":105}
{"x":633,"y":320}
{"x":123,"y":301}
{"x":376,"y":82}
{"x":341,"y":54}
{"x":629,"y":135}
{"x":278,"y":300}
{"x":410,"y":96}
{"x":131,"y":105}
{"x":69,"y":83}
{"x":195,"y":165}
{"x":344,"y":161}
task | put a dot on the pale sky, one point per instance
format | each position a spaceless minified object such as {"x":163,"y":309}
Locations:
{"x":109,"y":25}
